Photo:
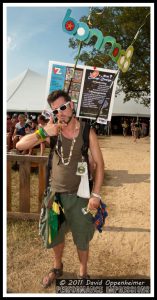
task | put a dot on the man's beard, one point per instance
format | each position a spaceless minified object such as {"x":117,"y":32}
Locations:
{"x":69,"y":119}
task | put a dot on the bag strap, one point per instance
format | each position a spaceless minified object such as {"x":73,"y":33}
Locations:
{"x":84,"y":150}
{"x":85,"y":134}
{"x":53,"y":141}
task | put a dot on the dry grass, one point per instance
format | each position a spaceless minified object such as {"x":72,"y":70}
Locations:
{"x":28,"y":260}
{"x":33,"y":191}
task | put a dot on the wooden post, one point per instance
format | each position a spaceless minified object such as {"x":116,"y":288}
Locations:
{"x":24,"y":162}
{"x":42,"y":176}
{"x":24,"y":173}
{"x":8,"y":185}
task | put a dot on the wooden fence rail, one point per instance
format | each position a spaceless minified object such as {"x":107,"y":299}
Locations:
{"x":25,"y":163}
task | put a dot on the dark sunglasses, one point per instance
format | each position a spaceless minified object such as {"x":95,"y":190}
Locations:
{"x":62,"y":107}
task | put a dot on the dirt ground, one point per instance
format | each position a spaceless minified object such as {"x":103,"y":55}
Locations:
{"x":122,"y":250}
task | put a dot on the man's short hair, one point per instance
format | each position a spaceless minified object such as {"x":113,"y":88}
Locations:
{"x":53,"y":96}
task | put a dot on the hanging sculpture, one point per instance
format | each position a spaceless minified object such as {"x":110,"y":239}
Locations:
{"x":82,"y":32}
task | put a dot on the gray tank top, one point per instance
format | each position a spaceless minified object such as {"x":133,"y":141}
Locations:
{"x":64,"y":178}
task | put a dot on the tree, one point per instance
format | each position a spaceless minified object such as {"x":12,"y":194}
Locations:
{"x":122,"y":23}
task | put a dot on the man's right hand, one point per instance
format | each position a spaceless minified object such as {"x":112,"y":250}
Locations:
{"x":52,"y":128}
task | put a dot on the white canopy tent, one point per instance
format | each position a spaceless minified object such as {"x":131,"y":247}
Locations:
{"x":129,"y":108}
{"x":27,"y":93}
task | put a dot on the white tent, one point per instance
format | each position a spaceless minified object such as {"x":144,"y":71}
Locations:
{"x":27,"y":93}
{"x":129,"y":108}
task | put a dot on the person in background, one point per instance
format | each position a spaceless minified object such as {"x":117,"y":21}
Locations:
{"x":27,"y":128}
{"x":28,"y":120}
{"x":19,"y":130}
{"x":10,"y":130}
{"x":42,"y":121}
{"x":144,"y":129}
{"x":125,"y":128}
{"x":137,"y":131}
{"x":132,"y":125}
{"x":34,"y":125}
{"x":14,"y":119}
{"x":27,"y":131}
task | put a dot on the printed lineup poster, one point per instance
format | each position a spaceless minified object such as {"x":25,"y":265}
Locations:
{"x":91,"y":89}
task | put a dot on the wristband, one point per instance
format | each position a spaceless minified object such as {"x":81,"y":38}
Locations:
{"x":96,"y":195}
{"x":38,"y":135}
{"x":43,"y":133}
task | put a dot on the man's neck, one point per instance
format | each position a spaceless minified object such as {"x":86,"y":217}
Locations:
{"x":70,"y":123}
{"x":71,"y":128}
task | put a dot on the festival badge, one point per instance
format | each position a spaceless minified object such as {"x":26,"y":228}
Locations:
{"x":81,"y":168}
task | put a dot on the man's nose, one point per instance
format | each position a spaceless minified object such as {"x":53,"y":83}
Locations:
{"x":60,"y":113}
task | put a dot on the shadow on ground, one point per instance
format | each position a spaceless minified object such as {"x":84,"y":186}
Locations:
{"x":119,"y":177}
{"x":69,"y":275}
{"x":125,"y":229}
{"x":134,"y":276}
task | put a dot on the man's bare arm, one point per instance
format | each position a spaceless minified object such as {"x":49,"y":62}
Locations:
{"x":99,"y":171}
{"x":98,"y":159}
{"x":29,"y":141}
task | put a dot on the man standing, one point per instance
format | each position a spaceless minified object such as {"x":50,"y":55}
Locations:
{"x":125,"y":128}
{"x":65,"y":181}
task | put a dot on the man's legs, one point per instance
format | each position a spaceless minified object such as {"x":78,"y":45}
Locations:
{"x":58,"y":253}
{"x":83,"y":257}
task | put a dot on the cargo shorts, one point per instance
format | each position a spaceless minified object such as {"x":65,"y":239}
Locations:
{"x":81,"y":226}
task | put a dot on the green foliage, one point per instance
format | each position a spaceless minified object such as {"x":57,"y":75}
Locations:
{"x":122,"y":23}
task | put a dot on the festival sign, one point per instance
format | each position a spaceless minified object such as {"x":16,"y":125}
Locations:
{"x":82,"y":32}
{"x":91,"y":89}
{"x":59,"y":78}
{"x":97,"y":94}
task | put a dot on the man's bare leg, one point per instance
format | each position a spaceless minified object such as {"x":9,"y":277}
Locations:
{"x":58,"y":253}
{"x":83,"y":257}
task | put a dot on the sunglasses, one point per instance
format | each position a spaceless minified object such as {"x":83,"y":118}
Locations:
{"x":47,"y":114}
{"x":62,"y":107}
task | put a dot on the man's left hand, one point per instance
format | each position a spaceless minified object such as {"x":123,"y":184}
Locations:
{"x":93,"y":203}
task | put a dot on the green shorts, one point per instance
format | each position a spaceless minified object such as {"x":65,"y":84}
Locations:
{"x":80,"y":225}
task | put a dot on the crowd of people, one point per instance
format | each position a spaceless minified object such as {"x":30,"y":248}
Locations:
{"x":19,"y":125}
{"x":138,"y":128}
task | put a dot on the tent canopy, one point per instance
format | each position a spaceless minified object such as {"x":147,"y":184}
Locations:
{"x":129,"y":108}
{"x":27,"y":93}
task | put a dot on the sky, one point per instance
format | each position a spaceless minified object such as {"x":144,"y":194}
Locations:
{"x":35,"y":36}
